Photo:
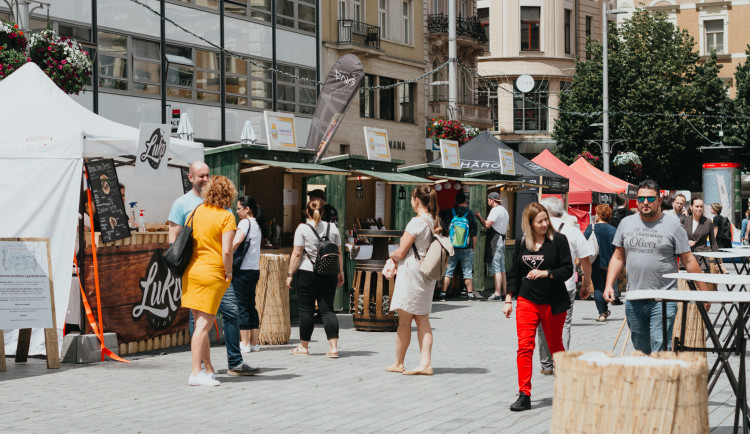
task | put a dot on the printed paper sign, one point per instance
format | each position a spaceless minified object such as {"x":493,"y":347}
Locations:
{"x":26,"y":296}
{"x":40,"y":143}
{"x":507,"y":164}
{"x":449,"y":155}
{"x":153,"y":144}
{"x":376,"y":143}
{"x":280,"y":131}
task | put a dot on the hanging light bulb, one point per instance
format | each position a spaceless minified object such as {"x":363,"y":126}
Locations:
{"x":438,"y":187}
{"x":402,"y":193}
{"x":457,"y":186}
{"x":360,"y":190}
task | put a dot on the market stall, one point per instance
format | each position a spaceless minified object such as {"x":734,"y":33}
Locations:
{"x":616,"y":184}
{"x":582,"y":190}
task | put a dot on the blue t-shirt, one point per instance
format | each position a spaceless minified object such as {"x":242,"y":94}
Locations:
{"x":183,"y":206}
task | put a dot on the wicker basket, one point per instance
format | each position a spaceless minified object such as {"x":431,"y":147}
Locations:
{"x":695,"y":330}
{"x":626,"y":398}
{"x":272,"y":300}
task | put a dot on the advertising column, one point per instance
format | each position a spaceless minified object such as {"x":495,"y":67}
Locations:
{"x":721,"y":183}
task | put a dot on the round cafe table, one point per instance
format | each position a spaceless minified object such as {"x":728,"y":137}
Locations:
{"x":371,"y":298}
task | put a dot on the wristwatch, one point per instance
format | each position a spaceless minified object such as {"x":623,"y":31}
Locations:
{"x":288,"y":274}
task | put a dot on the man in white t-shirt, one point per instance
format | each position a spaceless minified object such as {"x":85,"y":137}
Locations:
{"x":580,"y":249}
{"x":497,"y":226}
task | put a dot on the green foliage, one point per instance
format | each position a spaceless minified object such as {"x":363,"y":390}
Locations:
{"x":737,"y":132}
{"x":653,"y":68}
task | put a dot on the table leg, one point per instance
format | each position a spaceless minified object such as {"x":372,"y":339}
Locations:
{"x":664,"y":324}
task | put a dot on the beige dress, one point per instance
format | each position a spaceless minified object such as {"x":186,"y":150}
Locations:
{"x":413,"y":291}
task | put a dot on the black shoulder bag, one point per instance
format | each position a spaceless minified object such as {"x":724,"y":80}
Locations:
{"x":239,"y":254}
{"x":178,"y":254}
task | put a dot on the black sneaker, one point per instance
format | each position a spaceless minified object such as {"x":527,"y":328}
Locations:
{"x":243,"y":369}
{"x":441,"y":296}
{"x":522,"y":403}
{"x":617,"y":302}
{"x":471,"y":296}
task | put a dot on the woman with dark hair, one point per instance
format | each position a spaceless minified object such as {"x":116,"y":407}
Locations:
{"x":605,"y":235}
{"x":699,"y":228}
{"x":541,"y":265}
{"x":311,"y":286}
{"x":413,"y":291}
{"x":720,"y":223}
{"x":209,"y":271}
{"x":247,"y":276}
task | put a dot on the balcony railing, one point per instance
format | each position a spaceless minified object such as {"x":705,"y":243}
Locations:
{"x":468,"y":27}
{"x":359,"y":33}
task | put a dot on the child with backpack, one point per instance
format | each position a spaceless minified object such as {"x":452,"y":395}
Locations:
{"x":460,"y":224}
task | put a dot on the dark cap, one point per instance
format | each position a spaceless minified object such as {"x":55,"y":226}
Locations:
{"x":494,"y":196}
{"x":317,"y":193}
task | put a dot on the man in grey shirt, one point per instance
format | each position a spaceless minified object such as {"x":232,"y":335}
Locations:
{"x":649,"y":243}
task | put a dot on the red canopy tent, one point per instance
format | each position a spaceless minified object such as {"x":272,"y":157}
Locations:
{"x":585,"y":168}
{"x":583,"y":191}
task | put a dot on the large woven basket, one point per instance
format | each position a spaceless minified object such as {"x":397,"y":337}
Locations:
{"x":272,"y":300}
{"x":695,"y":330}
{"x":624,"y":398}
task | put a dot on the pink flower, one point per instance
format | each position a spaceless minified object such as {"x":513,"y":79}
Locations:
{"x":64,"y":62}
{"x":59,"y":67}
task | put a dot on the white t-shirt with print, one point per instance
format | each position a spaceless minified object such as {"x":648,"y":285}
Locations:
{"x":579,"y":246}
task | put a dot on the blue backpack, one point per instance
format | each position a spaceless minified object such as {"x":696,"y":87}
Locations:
{"x":459,"y":230}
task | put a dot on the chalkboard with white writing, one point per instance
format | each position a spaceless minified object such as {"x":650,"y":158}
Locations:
{"x":109,"y":207}
{"x":186,"y":185}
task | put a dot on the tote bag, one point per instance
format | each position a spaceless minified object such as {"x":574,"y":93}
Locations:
{"x":178,"y":254}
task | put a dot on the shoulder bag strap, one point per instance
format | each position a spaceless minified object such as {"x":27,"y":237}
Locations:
{"x":190,"y":220}
{"x":561,"y":226}
{"x":312,"y":261}
{"x":328,"y":231}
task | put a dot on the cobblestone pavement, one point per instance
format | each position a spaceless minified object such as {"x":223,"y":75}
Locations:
{"x":474,"y":383}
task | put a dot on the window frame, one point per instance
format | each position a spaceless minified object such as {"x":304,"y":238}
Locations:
{"x":538,"y":106}
{"x":530,"y":30}
{"x":407,"y":21}
{"x":717,"y":36}
{"x":589,"y":30}
{"x":567,"y":18}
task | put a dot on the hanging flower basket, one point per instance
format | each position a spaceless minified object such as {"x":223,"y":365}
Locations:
{"x":628,"y":166}
{"x":12,"y":49}
{"x":62,"y":59}
{"x":591,"y":158}
{"x":451,"y":130}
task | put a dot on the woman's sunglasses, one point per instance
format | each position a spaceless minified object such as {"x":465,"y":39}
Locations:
{"x":646,"y":198}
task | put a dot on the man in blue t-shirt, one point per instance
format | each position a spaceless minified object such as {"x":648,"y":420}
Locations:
{"x":181,"y":208}
{"x":464,"y":255}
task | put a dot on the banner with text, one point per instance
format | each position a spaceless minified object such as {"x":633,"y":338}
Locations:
{"x":151,"y":156}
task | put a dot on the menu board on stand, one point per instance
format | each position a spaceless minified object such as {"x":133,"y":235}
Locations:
{"x":110,"y":209}
{"x":186,"y":184}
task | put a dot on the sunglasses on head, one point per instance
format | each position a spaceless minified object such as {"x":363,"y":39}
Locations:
{"x":646,"y":198}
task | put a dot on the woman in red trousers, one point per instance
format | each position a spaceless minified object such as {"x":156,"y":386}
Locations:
{"x":537,"y":276}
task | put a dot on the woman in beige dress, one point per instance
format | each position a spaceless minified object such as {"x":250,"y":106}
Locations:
{"x":412,"y":294}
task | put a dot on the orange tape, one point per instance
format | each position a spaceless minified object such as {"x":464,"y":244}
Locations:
{"x":92,"y":322}
{"x":96,"y":263}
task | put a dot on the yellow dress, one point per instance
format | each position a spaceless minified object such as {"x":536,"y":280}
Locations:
{"x":203,"y":283}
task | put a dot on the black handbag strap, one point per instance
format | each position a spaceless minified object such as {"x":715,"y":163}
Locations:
{"x":246,"y":242}
{"x":190,"y":219}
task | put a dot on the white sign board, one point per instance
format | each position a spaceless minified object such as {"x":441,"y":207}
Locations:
{"x":507,"y":164}
{"x":26,"y":296}
{"x":525,"y":83}
{"x":449,"y":156}
{"x":153,"y":143}
{"x":280,"y":131}
{"x":376,"y":143}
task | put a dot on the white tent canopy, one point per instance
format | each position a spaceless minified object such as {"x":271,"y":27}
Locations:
{"x":44,"y":136}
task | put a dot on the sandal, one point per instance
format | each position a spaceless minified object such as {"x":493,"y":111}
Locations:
{"x":602,"y":318}
{"x":299,"y":351}
{"x":332,"y":355}
{"x":607,"y":313}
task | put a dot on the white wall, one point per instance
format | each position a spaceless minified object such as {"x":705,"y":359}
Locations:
{"x":154,"y":194}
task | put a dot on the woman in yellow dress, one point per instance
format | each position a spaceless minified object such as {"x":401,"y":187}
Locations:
{"x":209,"y":272}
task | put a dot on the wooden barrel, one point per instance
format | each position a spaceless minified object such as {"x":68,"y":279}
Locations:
{"x":272,"y":300}
{"x":371,"y":298}
{"x":663,"y":393}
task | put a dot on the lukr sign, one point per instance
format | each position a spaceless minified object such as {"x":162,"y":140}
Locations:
{"x":162,"y":293}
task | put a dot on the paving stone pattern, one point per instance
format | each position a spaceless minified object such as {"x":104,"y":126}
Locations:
{"x":474,"y":383}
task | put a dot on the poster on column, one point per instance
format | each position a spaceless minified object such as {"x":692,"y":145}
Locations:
{"x":151,"y":155}
{"x":449,"y":156}
{"x":26,"y":294}
{"x":376,"y":143}
{"x":280,"y":131}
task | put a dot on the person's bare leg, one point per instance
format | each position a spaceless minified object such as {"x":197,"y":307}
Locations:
{"x":200,"y":347}
{"x":254,"y":337}
{"x":469,"y":285}
{"x":498,"y":283}
{"x":245,"y":337}
{"x":333,"y":345}
{"x":424,"y":334}
{"x":504,"y":280}
{"x":446,"y":284}
{"x":403,"y":338}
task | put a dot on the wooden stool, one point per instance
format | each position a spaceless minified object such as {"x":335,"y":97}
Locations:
{"x":371,"y":298}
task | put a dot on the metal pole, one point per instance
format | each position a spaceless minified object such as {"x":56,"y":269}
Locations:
{"x":605,"y":92}
{"x":452,"y":79}
{"x":163,"y":48}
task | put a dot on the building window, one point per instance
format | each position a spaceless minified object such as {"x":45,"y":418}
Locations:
{"x":530,"y":28}
{"x":299,"y":14}
{"x":180,"y":72}
{"x":588,"y":37}
{"x":209,"y":4}
{"x":113,"y":61}
{"x":342,"y":9}
{"x":463,"y":9}
{"x":383,"y":18}
{"x":566,"y":29}
{"x":367,"y":98}
{"x":714,"y":36}
{"x":530,"y":109}
{"x":566,"y":86}
{"x":300,"y":98}
{"x":146,"y":67}
{"x":406,"y":18}
{"x":387,"y":106}
{"x":408,"y":95}
{"x":484,"y":19}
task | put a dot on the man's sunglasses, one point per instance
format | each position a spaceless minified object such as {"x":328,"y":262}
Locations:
{"x":646,"y":198}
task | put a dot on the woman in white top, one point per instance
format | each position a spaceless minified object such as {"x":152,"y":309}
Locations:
{"x":311,"y":286}
{"x":413,"y":292}
{"x":246,"y":278}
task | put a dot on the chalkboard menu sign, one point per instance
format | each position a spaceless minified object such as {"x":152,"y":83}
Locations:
{"x":110,"y":210}
{"x":186,"y":185}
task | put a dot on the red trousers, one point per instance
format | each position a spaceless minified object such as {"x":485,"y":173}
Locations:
{"x":528,"y":317}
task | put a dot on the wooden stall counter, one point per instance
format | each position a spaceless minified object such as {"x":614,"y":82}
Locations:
{"x":160,"y":237}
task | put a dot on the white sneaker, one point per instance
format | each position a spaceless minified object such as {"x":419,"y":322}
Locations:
{"x":203,"y":371}
{"x":202,"y":379}
{"x":254,"y":348}
{"x":245,"y":348}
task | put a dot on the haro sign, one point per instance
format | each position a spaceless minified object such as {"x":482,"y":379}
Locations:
{"x":162,"y":292}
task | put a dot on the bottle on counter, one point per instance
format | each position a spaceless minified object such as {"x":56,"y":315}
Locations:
{"x":141,"y":223}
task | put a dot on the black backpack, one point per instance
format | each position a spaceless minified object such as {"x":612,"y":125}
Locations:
{"x":725,"y":232}
{"x":327,"y":261}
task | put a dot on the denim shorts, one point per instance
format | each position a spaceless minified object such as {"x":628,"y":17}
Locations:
{"x":498,"y":258}
{"x":466,"y":257}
